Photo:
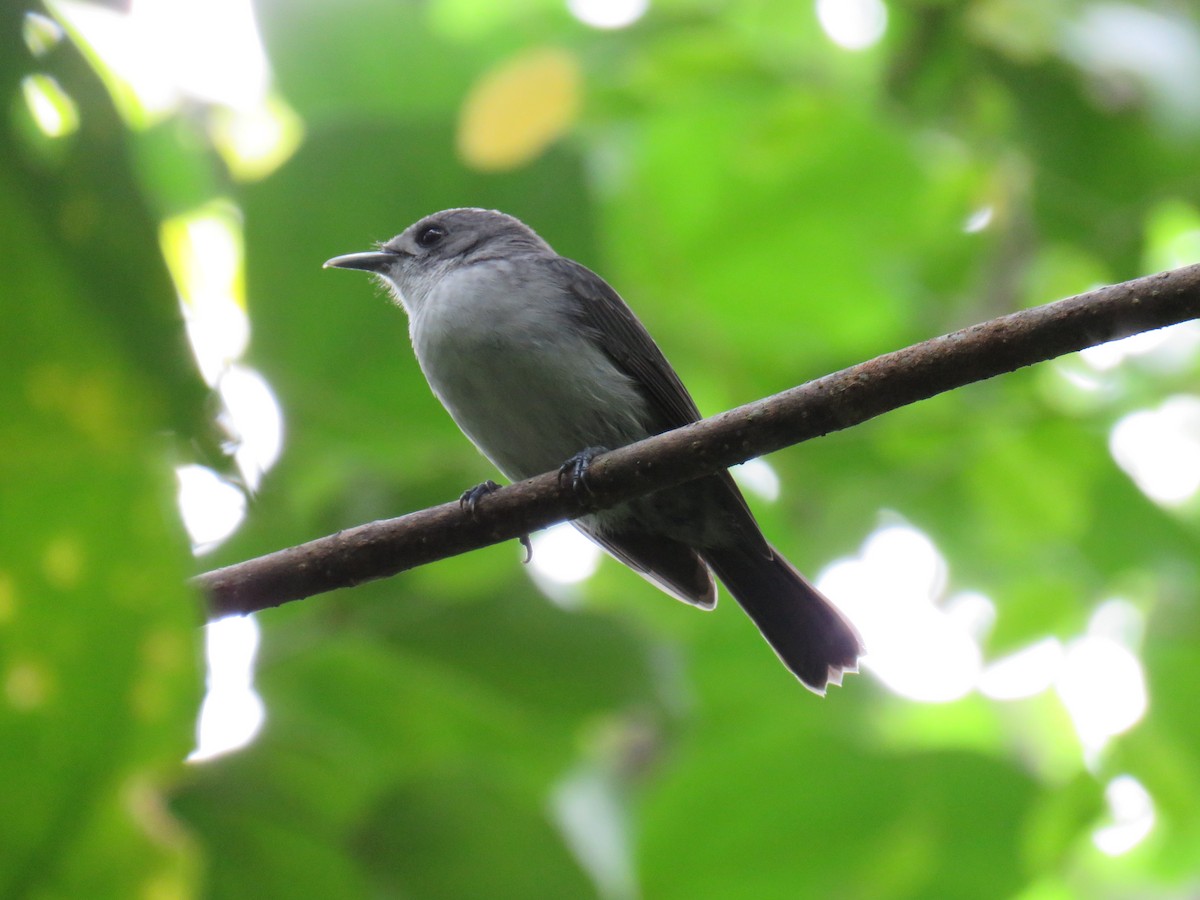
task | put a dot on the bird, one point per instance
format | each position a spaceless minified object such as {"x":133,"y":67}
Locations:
{"x":543,"y":366}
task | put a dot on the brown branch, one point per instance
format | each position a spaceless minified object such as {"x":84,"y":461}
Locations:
{"x":831,"y":403}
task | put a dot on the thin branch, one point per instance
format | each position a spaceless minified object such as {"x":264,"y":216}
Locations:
{"x":836,"y":401}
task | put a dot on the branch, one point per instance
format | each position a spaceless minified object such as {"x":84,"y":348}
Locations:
{"x":837,"y":401}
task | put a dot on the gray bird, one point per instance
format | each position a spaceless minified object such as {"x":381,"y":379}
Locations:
{"x":542,"y":365}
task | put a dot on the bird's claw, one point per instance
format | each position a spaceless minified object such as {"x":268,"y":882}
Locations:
{"x":576,"y":469}
{"x":472,"y":496}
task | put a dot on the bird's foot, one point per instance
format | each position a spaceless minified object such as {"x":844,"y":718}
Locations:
{"x":576,"y":468}
{"x":472,"y":496}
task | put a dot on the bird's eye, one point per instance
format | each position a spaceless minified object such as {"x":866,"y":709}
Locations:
{"x":430,"y":235}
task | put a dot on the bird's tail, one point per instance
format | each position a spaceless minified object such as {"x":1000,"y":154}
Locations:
{"x":809,"y":635}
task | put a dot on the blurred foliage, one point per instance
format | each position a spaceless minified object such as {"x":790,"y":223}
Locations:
{"x":775,"y":207}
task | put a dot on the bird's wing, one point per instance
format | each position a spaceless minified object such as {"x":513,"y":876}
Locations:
{"x":671,"y":566}
{"x":600,"y":312}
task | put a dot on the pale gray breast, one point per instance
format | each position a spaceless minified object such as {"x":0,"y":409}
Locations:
{"x":529,"y":391}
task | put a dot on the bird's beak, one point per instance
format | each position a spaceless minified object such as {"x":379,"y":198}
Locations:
{"x":371,"y":261}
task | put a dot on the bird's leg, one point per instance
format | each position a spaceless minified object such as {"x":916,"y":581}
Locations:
{"x":471,"y":497}
{"x":576,"y":469}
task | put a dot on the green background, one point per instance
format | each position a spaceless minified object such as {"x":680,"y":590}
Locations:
{"x":775,"y":208}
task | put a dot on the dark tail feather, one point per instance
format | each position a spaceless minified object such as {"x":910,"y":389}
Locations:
{"x":804,"y":629}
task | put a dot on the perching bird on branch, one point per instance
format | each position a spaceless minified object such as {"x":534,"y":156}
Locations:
{"x":539,"y":361}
